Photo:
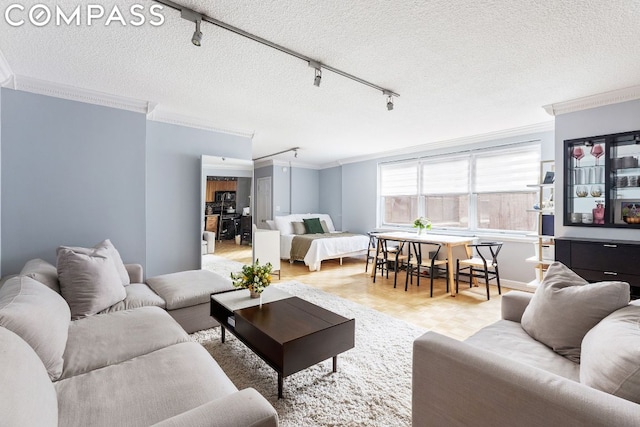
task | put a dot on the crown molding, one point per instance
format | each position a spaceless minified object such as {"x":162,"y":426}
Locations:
{"x":193,"y":122}
{"x":593,"y":101}
{"x":474,"y":139}
{"x":73,"y":93}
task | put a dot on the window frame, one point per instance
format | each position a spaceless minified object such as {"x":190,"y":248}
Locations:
{"x":473,"y":195}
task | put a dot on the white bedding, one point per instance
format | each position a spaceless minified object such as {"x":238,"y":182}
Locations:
{"x":322,"y":249}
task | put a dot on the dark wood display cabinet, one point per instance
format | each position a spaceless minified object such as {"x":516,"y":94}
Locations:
{"x":602,"y":260}
{"x":602,"y":181}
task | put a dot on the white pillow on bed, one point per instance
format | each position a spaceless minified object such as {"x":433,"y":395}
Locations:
{"x":271,"y":224}
{"x":284,"y":223}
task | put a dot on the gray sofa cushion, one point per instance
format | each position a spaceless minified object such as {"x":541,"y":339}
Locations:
{"x":43,"y":272}
{"x":98,"y":341}
{"x":508,"y":339}
{"x":27,"y":396}
{"x":144,"y":390}
{"x":112,"y":253}
{"x":187,"y":288}
{"x":611,"y":354}
{"x":138,"y":295}
{"x":39,"y":316}
{"x":565,"y":307}
{"x":89,"y":282}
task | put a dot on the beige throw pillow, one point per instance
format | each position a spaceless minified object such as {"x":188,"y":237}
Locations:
{"x":114,"y":256}
{"x":39,"y":316}
{"x":89,"y":282}
{"x":565,"y":307}
{"x":299,"y":228}
{"x":611,"y":354}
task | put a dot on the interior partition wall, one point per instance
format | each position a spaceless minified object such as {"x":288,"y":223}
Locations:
{"x":75,"y":174}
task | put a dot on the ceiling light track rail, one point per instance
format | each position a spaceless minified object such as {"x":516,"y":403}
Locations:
{"x":186,"y":11}
{"x":294,"y":149}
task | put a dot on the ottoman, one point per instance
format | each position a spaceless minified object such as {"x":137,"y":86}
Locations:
{"x":187,"y":295}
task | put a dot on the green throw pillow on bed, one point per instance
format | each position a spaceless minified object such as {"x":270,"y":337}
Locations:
{"x":313,"y":226}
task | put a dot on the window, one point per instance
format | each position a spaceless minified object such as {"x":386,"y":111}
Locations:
{"x":445,"y":192}
{"x":503,"y":197}
{"x":478,"y":190}
{"x":399,"y":193}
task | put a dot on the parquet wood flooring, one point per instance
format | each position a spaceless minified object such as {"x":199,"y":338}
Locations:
{"x":458,"y":317}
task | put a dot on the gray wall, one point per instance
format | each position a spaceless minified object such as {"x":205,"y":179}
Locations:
{"x":305,"y":189}
{"x":173,"y":191}
{"x":609,"y":119}
{"x":72,"y":174}
{"x":330,"y":200}
{"x":281,"y":190}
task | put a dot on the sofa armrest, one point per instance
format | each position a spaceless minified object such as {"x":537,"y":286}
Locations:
{"x":513,"y":305}
{"x":135,"y":273}
{"x":456,"y":384}
{"x":246,"y":408}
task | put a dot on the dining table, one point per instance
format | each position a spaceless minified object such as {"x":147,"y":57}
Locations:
{"x":448,"y":241}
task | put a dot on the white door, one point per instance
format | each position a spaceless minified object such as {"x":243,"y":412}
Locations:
{"x":263,"y":204}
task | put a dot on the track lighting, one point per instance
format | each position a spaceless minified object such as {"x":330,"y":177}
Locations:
{"x":196,"y":17}
{"x":197,"y":35}
{"x":389,"y":99}
{"x":192,"y":16}
{"x":318,"y":68}
{"x":294,"y":149}
{"x":318,"y":78}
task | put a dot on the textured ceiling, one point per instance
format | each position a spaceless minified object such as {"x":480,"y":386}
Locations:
{"x":462,"y":68}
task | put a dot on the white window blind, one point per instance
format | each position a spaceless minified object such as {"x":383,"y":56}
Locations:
{"x":509,"y":171}
{"x":400,"y":179}
{"x":445,"y":177}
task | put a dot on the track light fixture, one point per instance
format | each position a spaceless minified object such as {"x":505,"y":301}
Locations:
{"x":192,"y":16}
{"x":389,"y":95}
{"x":294,"y":149}
{"x":197,"y":35}
{"x":196,"y":17}
{"x":318,"y":67}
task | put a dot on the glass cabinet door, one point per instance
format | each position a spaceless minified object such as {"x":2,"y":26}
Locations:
{"x":602,"y":181}
{"x":625,"y":176}
{"x":585,"y":192}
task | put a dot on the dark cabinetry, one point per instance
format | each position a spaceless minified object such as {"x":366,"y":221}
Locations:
{"x":602,"y":181}
{"x":602,"y":260}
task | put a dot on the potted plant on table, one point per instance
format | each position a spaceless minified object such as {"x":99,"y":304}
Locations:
{"x":254,"y":277}
{"x":422,"y":223}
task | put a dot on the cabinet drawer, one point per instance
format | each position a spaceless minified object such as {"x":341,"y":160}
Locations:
{"x":607,"y":276}
{"x":619,"y":258}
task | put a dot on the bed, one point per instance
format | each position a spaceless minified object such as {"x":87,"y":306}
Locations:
{"x":331,"y":245}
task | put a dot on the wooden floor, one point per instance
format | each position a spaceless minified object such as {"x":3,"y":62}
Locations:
{"x":458,"y":317}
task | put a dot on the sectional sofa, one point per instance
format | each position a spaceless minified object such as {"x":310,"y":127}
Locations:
{"x":503,"y":376}
{"x":130,"y":364}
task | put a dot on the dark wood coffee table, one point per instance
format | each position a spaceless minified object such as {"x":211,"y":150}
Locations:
{"x":288,"y":333}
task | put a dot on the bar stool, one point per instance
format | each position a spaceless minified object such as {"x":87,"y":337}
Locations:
{"x":485,"y":264}
{"x":431,"y":262}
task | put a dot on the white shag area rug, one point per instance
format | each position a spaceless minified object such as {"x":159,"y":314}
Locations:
{"x":220,"y":265}
{"x":371,"y":388}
